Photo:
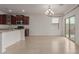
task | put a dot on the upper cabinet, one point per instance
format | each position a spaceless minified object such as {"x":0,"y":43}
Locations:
{"x":22,"y":19}
{"x":19,"y":17}
{"x":13,"y":20}
{"x":10,"y":19}
{"x":3,"y":19}
{"x":26,"y":20}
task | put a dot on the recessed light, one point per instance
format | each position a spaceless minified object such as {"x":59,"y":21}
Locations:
{"x":10,"y":10}
{"x":23,"y":10}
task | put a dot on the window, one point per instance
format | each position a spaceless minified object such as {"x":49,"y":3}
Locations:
{"x":72,"y":20}
{"x":55,"y":20}
{"x":67,"y":21}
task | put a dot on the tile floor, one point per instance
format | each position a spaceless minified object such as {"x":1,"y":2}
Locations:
{"x":43,"y":45}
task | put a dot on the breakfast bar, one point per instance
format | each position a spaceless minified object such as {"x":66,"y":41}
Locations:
{"x":9,"y":37}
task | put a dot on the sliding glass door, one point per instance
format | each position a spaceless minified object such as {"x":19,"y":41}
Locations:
{"x":70,"y":28}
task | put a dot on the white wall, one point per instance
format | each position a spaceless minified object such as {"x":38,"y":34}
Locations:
{"x":76,"y":13}
{"x":41,"y":25}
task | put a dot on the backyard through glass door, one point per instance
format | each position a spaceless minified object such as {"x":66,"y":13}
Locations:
{"x":70,"y":28}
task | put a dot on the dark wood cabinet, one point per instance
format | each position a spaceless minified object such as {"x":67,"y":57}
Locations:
{"x":3,"y":19}
{"x":19,"y":17}
{"x":10,"y":19}
{"x":13,"y":20}
{"x":7,"y":19}
{"x":0,"y":19}
{"x":26,"y":20}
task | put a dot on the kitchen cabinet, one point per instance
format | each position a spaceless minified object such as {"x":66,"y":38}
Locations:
{"x":23,"y":19}
{"x":0,"y":19}
{"x":19,"y":17}
{"x":13,"y":20}
{"x":3,"y":19}
{"x":26,"y":20}
{"x":10,"y":19}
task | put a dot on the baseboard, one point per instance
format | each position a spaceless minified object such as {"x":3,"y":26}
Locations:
{"x":48,"y":35}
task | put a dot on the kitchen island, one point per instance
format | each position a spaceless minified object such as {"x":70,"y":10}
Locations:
{"x":9,"y":37}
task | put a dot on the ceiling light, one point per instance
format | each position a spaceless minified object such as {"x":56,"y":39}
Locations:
{"x":10,"y":10}
{"x":49,"y":12}
{"x":23,"y":10}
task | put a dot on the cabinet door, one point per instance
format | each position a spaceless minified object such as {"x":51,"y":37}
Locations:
{"x":26,"y":20}
{"x":4,"y":19}
{"x":0,"y":19}
{"x":13,"y":20}
{"x":17,"y":18}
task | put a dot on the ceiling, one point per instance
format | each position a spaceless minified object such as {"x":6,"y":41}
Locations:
{"x":59,"y":9}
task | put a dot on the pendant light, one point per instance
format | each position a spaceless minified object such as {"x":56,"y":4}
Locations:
{"x":49,"y":12}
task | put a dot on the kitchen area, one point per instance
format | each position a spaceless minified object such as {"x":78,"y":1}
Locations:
{"x":12,"y":30}
{"x":14,"y":22}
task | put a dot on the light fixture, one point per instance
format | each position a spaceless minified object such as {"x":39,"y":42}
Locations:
{"x":10,"y":10}
{"x":23,"y":10}
{"x":49,"y":12}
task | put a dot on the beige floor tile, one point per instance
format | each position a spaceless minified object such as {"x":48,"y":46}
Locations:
{"x":43,"y":45}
